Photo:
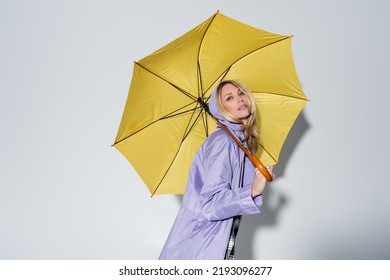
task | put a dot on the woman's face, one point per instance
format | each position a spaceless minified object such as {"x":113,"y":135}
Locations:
{"x":235,"y":102}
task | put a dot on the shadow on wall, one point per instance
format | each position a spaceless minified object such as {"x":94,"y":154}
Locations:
{"x":269,"y":214}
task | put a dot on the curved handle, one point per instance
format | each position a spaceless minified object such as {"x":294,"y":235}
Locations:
{"x":259,"y":165}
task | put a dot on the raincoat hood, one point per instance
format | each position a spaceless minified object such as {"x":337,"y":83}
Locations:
{"x":214,"y":110}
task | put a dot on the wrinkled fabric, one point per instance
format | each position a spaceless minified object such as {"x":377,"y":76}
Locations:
{"x":218,"y":188}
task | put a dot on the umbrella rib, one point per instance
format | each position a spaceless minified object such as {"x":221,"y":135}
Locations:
{"x":165,"y":174}
{"x":171,"y":114}
{"x":188,"y":130}
{"x":200,"y":84}
{"x":280,"y":94}
{"x":174,"y":114}
{"x":270,"y":44}
{"x":265,"y":150}
{"x":224,"y":75}
{"x":172,"y":84}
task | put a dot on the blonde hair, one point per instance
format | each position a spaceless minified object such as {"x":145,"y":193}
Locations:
{"x":250,"y":128}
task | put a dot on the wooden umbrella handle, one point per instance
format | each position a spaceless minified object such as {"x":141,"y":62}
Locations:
{"x":259,"y":165}
{"x":256,"y":162}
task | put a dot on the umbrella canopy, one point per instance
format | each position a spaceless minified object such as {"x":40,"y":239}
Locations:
{"x":164,"y":122}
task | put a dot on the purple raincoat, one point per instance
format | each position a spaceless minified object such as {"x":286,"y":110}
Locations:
{"x":218,"y":188}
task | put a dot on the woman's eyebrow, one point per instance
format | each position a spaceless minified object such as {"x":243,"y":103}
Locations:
{"x":228,"y":93}
{"x":231,"y":92}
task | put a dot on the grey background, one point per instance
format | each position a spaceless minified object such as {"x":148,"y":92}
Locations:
{"x":65,"y":69}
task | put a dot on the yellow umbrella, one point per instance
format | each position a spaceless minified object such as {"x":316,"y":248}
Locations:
{"x":164,"y":122}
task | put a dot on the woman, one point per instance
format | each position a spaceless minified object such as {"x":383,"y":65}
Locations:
{"x":222,"y":183}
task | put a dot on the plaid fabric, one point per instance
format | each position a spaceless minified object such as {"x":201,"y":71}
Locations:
{"x":230,"y":255}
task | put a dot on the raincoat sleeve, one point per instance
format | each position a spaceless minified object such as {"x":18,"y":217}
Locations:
{"x":220,"y":198}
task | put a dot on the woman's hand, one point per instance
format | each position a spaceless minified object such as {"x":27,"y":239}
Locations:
{"x":260,"y":182}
